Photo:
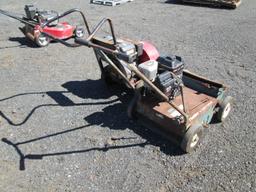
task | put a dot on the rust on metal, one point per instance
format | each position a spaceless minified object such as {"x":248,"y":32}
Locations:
{"x":203,"y":79}
{"x":166,"y":116}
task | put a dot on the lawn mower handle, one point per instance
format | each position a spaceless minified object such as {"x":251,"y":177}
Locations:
{"x":88,"y":41}
{"x":98,"y":27}
{"x":91,"y":34}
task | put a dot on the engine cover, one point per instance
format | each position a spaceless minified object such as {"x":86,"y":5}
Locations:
{"x":44,"y":16}
{"x":149,"y":69}
{"x":30,"y":11}
{"x":173,"y":63}
{"x":168,"y":84}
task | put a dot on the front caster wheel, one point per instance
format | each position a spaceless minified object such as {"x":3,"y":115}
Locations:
{"x":79,"y":32}
{"x":192,"y":138}
{"x":42,"y":40}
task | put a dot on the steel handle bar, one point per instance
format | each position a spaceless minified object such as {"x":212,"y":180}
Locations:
{"x":98,"y":27}
{"x":87,"y":41}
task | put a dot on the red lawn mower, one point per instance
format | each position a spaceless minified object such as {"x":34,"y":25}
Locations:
{"x":35,"y":19}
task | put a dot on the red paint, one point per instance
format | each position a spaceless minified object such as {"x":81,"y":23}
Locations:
{"x":60,"y":31}
{"x":149,"y":52}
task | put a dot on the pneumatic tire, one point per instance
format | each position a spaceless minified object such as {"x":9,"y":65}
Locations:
{"x":192,"y":138}
{"x":224,"y":109}
{"x":42,"y":40}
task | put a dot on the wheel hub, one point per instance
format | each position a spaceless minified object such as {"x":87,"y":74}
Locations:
{"x":226,"y":111}
{"x":194,"y":141}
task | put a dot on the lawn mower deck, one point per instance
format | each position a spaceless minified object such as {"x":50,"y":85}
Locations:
{"x":61,"y":31}
{"x":200,"y":109}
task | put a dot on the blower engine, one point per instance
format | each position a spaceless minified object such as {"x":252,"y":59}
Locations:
{"x":164,"y":71}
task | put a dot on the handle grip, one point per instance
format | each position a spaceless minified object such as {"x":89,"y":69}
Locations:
{"x":83,"y":42}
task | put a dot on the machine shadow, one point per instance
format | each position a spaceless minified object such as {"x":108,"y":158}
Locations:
{"x":23,"y":157}
{"x":23,"y":42}
{"x":97,"y":90}
{"x":113,"y":116}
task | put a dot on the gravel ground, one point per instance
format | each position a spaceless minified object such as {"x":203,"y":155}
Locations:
{"x":62,"y":129}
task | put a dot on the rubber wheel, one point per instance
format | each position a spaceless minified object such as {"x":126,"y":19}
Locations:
{"x":192,"y":138}
{"x":42,"y":40}
{"x":224,"y":109}
{"x":79,"y":32}
{"x":133,"y":103}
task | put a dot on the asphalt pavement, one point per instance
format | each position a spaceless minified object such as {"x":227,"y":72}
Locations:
{"x":63,"y":129}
